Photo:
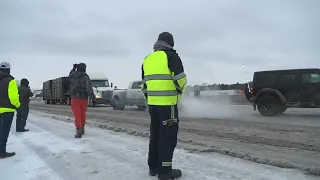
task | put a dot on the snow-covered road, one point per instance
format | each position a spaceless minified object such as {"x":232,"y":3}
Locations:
{"x":50,"y":152}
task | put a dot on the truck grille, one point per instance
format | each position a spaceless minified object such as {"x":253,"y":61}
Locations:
{"x":107,"y":94}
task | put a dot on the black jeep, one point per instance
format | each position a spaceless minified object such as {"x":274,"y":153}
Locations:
{"x":272,"y":92}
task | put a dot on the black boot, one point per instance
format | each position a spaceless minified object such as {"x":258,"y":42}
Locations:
{"x":24,"y":130}
{"x":78,"y":133}
{"x":82,"y":130}
{"x":174,"y":174}
{"x":152,"y":172}
{"x":7,"y":154}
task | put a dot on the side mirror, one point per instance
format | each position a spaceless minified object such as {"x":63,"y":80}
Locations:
{"x":111,"y":84}
{"x":140,"y":86}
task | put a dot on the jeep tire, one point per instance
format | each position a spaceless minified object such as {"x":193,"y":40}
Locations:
{"x":268,"y":106}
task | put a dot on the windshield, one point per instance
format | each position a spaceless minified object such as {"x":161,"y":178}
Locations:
{"x":100,"y":83}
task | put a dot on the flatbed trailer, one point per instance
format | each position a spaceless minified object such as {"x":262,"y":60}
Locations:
{"x":57,"y":91}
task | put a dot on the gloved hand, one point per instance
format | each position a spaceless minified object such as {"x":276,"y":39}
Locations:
{"x":75,"y":66}
{"x":94,"y":100}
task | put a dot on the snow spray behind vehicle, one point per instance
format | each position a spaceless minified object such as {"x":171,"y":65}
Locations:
{"x":208,"y":105}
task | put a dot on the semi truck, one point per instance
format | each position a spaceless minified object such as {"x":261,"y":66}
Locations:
{"x":57,"y":91}
{"x":102,"y":88}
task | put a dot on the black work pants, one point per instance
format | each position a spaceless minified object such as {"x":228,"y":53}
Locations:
{"x":163,"y":137}
{"x":5,"y":126}
{"x":22,"y":116}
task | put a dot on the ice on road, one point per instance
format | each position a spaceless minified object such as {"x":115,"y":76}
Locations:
{"x":50,"y":152}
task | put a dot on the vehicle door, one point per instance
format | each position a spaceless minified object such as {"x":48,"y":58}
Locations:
{"x":310,"y":87}
{"x":136,"y":92}
{"x":287,"y":84}
{"x":140,"y":96}
{"x":130,"y":94}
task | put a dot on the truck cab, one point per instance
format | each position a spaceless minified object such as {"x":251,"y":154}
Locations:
{"x":102,"y":89}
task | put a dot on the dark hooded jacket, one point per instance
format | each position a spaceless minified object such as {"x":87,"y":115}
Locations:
{"x":165,"y":43}
{"x":80,"y":85}
{"x":24,"y":92}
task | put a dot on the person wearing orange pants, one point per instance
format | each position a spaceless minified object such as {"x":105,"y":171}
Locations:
{"x":80,"y":91}
{"x":79,"y":108}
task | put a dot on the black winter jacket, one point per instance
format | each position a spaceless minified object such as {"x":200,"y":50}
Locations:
{"x":80,"y":85}
{"x":24,"y":95}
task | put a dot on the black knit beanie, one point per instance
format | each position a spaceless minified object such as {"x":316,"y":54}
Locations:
{"x":24,"y":82}
{"x":166,"y":37}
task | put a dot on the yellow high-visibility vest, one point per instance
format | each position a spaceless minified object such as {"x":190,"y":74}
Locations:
{"x":161,"y":88}
{"x":9,"y":96}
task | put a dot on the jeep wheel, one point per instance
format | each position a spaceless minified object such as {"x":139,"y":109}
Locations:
{"x":268,"y":106}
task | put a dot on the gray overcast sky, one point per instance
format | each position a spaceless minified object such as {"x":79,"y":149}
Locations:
{"x":42,"y":39}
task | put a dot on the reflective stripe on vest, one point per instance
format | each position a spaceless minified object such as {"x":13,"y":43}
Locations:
{"x":179,"y":76}
{"x":161,"y":89}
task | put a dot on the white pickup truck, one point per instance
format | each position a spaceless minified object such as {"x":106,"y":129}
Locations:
{"x":129,"y":97}
{"x":101,"y":88}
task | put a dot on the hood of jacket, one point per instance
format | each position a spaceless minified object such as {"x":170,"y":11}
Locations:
{"x":162,"y":45}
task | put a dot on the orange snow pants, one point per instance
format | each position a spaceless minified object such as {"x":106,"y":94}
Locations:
{"x":79,"y":109}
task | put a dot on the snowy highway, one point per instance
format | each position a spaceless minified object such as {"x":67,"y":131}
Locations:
{"x":289,"y":141}
{"x":49,"y":152}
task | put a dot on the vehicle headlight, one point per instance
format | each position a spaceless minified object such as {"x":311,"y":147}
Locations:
{"x":97,"y":94}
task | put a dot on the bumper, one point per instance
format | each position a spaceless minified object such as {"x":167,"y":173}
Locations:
{"x":103,"y":101}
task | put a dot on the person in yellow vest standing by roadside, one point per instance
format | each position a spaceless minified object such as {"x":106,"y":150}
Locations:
{"x":9,"y":102}
{"x":163,"y":82}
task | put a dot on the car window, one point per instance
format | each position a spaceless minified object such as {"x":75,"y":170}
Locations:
{"x":264,"y":79}
{"x":310,"y":78}
{"x":286,"y":79}
{"x":136,"y":85}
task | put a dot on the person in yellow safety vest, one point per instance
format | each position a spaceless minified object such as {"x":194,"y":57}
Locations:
{"x":163,"y":82}
{"x":9,"y":102}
